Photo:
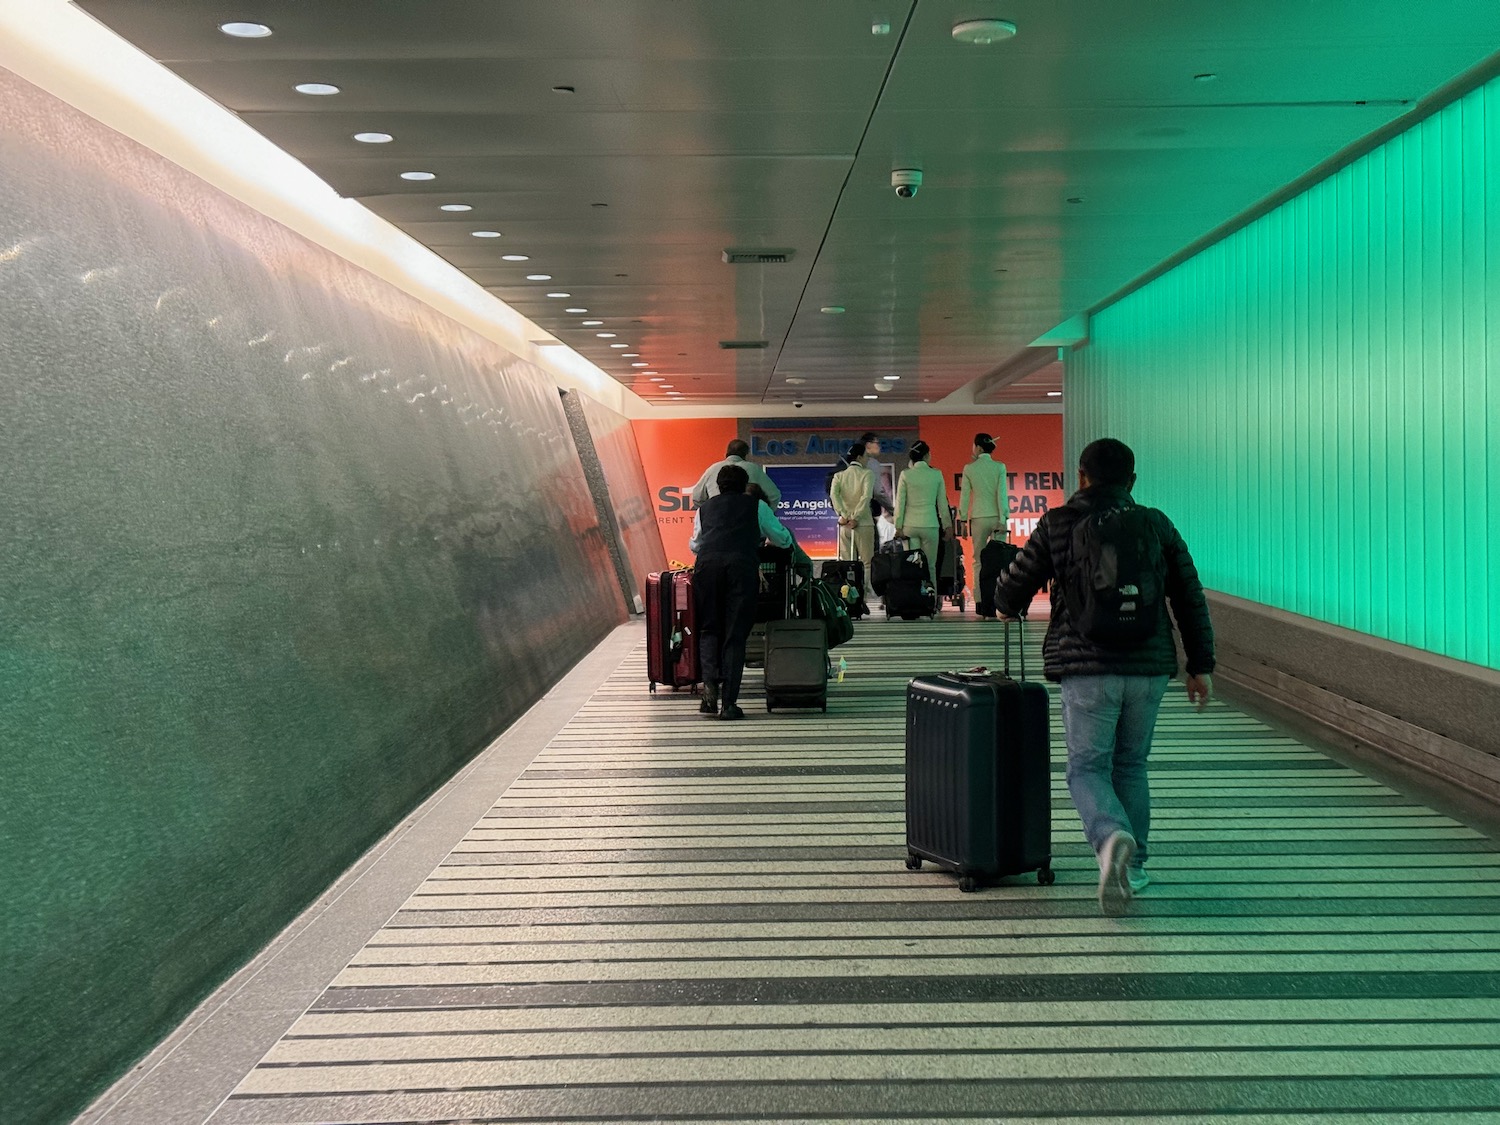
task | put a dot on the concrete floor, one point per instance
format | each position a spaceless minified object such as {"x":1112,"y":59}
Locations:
{"x":665,"y":918}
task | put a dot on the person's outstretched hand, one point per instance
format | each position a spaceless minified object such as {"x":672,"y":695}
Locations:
{"x":1199,"y":688}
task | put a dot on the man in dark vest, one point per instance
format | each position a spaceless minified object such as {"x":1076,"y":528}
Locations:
{"x":728,"y":530}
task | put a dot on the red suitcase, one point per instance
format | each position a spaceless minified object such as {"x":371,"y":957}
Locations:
{"x":671,"y":634}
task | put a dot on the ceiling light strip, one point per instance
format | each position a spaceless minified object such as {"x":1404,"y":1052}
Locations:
{"x":72,"y":56}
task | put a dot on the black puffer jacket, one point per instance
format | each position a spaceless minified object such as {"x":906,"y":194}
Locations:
{"x":1064,"y":653}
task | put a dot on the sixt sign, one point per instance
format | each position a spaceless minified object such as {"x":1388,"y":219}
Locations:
{"x":674,"y":499}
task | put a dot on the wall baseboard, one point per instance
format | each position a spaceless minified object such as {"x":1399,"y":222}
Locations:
{"x":1413,"y":708}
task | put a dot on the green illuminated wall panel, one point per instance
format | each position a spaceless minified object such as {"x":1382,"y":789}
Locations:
{"x":1314,"y":400}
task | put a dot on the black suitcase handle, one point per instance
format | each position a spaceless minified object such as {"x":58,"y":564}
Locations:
{"x":1020,"y":644}
{"x":983,"y":673}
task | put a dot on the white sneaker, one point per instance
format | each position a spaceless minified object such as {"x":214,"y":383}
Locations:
{"x":1139,"y":880}
{"x":1114,"y":877}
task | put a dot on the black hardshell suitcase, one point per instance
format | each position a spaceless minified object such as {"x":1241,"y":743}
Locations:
{"x":979,"y":775}
{"x":671,"y":640}
{"x":796,"y":666}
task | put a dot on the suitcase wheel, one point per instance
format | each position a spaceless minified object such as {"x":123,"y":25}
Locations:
{"x":769,"y":705}
{"x":968,"y":884}
{"x":914,"y":863}
{"x":653,"y":687}
{"x":825,"y":706}
{"x":1046,"y":876}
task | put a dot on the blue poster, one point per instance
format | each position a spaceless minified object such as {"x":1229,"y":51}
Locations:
{"x":804,"y":507}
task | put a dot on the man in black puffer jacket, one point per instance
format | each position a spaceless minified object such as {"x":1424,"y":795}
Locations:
{"x":1117,"y":566}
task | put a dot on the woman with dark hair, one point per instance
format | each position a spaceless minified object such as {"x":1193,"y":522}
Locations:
{"x":983,"y":503}
{"x":922,"y":507}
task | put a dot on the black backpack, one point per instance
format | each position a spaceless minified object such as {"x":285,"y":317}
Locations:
{"x":1117,"y":579}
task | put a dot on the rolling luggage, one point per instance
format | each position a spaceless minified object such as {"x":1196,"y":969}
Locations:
{"x":979,"y":775}
{"x":910,"y":598}
{"x":796,"y":666}
{"x":671,"y":636}
{"x":994,"y":557}
{"x":847,"y":578}
{"x":887,"y":563}
{"x":771,"y":602}
{"x":950,"y":570}
{"x":908,"y":594}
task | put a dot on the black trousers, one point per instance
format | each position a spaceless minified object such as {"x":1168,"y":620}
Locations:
{"x":724,"y":592}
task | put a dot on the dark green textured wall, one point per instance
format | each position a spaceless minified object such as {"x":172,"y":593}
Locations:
{"x":279,"y":549}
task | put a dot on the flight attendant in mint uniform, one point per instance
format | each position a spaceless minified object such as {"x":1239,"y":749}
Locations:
{"x":982,"y":499}
{"x":922,"y":507}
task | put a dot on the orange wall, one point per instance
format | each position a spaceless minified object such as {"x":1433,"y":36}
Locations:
{"x":1029,"y":444}
{"x":674,"y":454}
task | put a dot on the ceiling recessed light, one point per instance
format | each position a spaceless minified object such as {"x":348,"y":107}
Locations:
{"x":576,"y":310}
{"x":619,"y":345}
{"x":541,"y":277}
{"x":374,"y":138}
{"x":241,"y":30}
{"x":559,"y":294}
{"x":658,"y":378}
{"x":642,"y":363}
{"x":485,"y":233}
{"x":605,"y":335}
{"x":455,"y":207}
{"x":882,"y":387}
{"x":419,"y":175}
{"x":666,"y":386}
{"x":653,"y":373}
{"x":674,"y":394}
{"x":795,"y":380}
{"x":316,"y":89}
{"x":1054,"y":394}
{"x":592,"y":323}
{"x":892,"y":378}
{"x":832,"y":308}
{"x":632,"y":355}
{"x":872,"y":396}
{"x":515,"y":258}
{"x":1206,"y":77}
{"x":984,"y":32}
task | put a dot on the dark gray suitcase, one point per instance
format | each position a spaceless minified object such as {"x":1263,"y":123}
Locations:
{"x":979,"y":775}
{"x":796,"y":662}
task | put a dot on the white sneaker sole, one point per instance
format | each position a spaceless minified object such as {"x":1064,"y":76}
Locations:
{"x":1114,"y":879}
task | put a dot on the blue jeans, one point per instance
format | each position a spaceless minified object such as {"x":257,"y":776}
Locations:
{"x":1108,"y":722}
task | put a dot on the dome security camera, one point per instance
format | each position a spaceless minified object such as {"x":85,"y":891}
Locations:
{"x":798,"y":405}
{"x":906,"y":181}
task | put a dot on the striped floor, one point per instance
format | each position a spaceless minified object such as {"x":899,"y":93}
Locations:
{"x":670,"y":919}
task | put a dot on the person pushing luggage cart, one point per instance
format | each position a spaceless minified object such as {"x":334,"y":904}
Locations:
{"x":727,"y":533}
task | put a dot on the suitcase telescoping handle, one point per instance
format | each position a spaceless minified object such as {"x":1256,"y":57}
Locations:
{"x":1020,"y":644}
